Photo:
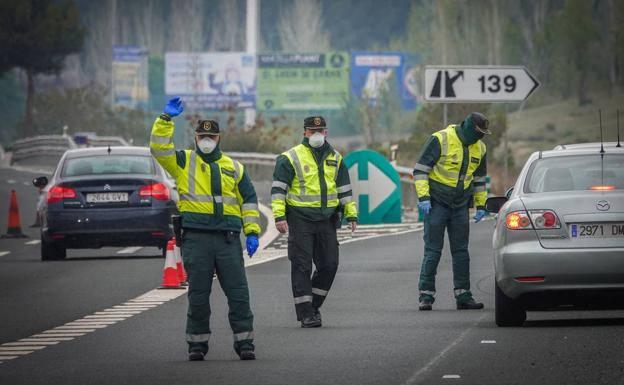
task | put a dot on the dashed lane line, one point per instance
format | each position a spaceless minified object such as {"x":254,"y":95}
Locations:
{"x":451,"y":376}
{"x":118,"y":313}
{"x":3,"y":253}
{"x":488,"y":342}
{"x":33,"y":242}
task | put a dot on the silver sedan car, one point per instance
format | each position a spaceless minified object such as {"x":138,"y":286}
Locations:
{"x":559,"y":236}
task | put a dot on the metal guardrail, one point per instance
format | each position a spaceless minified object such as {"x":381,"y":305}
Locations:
{"x":42,"y":146}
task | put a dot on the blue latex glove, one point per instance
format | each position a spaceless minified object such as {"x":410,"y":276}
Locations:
{"x":479,"y":215}
{"x":174,"y":107}
{"x":252,"y":244}
{"x":424,"y":207}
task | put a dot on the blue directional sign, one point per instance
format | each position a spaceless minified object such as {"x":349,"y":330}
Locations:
{"x":376,"y":187}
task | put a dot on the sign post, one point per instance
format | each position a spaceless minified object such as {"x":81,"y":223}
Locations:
{"x":376,"y":187}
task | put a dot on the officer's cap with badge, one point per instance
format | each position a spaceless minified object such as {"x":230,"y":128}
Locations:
{"x":207,"y":127}
{"x":314,"y":123}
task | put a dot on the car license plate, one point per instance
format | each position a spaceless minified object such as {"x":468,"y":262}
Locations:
{"x":597,"y":230}
{"x":108,"y":197}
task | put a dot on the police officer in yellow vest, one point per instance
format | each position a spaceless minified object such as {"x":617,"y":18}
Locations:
{"x":217,"y":199}
{"x":450,"y":178}
{"x":310,"y":192}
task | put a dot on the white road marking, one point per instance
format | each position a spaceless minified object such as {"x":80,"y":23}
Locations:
{"x":488,"y":342}
{"x":110,"y":316}
{"x":418,"y":375}
{"x":3,"y":253}
{"x":70,"y":328}
{"x":46,"y":339}
{"x":129,"y":250}
{"x":18,"y":352}
{"x":446,"y":376}
{"x":4,"y":348}
{"x":33,"y":242}
{"x":134,"y":306}
{"x":11,"y":181}
{"x":30,"y":343}
{"x":8,"y":357}
{"x":144,"y":303}
{"x":58,"y":335}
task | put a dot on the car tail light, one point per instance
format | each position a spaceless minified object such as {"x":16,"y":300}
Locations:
{"x":156,"y":191}
{"x":518,"y":220}
{"x":602,"y":188}
{"x":545,"y":219}
{"x":59,"y":193}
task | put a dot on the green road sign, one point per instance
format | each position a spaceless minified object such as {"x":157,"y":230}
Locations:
{"x":376,"y":187}
{"x":302,"y":81}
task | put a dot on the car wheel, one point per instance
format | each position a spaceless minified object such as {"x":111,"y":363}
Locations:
{"x":508,"y":311}
{"x":52,"y":251}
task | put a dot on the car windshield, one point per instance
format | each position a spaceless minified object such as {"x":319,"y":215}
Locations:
{"x":575,"y":173}
{"x":108,"y":164}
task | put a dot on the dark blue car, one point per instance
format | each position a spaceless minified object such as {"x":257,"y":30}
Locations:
{"x":117,"y":196}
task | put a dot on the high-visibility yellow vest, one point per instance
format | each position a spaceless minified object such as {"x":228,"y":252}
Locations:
{"x":305,"y":190}
{"x":446,"y":170}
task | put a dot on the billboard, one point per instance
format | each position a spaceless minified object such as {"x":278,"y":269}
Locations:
{"x":130,"y":76}
{"x":371,"y":73}
{"x":211,"y":80}
{"x":303,"y":81}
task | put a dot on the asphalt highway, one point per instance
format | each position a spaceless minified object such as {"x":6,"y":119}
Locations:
{"x":96,"y":318}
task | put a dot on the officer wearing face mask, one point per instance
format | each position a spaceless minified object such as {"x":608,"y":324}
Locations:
{"x":450,"y":178}
{"x":310,"y":192}
{"x":217,"y":200}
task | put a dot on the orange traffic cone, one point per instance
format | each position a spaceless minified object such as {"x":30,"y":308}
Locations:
{"x":170,"y":274}
{"x":179,"y":265}
{"x":14,"y":228}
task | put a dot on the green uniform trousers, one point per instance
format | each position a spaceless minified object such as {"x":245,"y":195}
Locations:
{"x":203,"y":253}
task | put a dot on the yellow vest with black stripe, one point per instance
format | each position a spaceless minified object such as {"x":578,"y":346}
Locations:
{"x":446,"y":170}
{"x":305,"y":190}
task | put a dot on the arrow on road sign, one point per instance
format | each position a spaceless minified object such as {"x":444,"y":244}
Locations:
{"x":378,"y":186}
{"x":478,"y":84}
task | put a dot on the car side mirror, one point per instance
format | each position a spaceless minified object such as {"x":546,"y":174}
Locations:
{"x":494,"y":204}
{"x":509,"y":192}
{"x":40,"y":182}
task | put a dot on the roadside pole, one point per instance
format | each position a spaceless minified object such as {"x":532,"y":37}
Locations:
{"x":252,"y":49}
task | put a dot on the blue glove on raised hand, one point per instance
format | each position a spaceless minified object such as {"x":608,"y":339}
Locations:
{"x":252,"y":244}
{"x":479,"y":215}
{"x":174,"y":107}
{"x":424,"y":207}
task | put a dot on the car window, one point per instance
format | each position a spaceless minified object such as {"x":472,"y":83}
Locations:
{"x":574,"y":173}
{"x":108,"y":164}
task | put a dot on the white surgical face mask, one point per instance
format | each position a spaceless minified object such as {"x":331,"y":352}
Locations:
{"x":317,"y":140}
{"x":207,"y":145}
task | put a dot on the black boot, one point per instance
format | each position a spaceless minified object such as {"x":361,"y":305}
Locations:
{"x":196,"y":355}
{"x":311,"y":322}
{"x":425,"y":304}
{"x":245,"y":353}
{"x":469,"y":304}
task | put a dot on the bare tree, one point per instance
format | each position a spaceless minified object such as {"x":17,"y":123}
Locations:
{"x":186,"y":26}
{"x":227,"y":33}
{"x":301,"y":28}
